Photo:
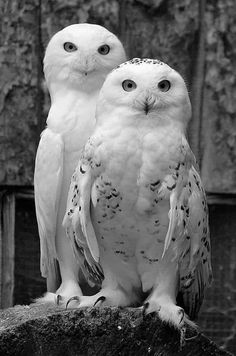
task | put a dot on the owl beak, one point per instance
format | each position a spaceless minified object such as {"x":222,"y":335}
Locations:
{"x":149,"y":104}
{"x":86,"y":66}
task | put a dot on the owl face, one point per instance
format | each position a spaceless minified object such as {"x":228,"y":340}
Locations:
{"x":149,"y":88}
{"x":81,"y":52}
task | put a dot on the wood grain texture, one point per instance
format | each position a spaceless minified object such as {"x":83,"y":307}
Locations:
{"x":7,"y":248}
{"x":19,"y":90}
{"x":218,"y":137}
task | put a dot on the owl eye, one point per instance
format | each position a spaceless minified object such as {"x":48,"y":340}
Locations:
{"x":164,"y":85}
{"x":69,"y":47}
{"x":104,"y":49}
{"x":129,"y":85}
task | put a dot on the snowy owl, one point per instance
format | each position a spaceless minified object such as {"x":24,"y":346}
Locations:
{"x":76,"y":63}
{"x":137,"y":200}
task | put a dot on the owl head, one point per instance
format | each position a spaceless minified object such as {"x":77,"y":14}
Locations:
{"x":146,"y":89}
{"x":81,"y":55}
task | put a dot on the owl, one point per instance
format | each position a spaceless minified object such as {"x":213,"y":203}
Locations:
{"x":76,"y":63}
{"x":136,"y":203}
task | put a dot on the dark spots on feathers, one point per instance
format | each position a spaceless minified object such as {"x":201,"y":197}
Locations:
{"x":188,"y":276}
{"x":177,"y":167}
{"x":188,"y":237}
{"x":172,"y":187}
{"x":186,"y":253}
{"x":207,"y":245}
{"x":155,"y":184}
{"x":120,"y":252}
{"x":81,"y":170}
{"x":115,"y":194}
{"x":138,"y":61}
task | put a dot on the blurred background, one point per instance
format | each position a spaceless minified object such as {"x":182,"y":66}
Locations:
{"x":198,"y":38}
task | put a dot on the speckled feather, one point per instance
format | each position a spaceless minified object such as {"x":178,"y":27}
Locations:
{"x":146,"y":202}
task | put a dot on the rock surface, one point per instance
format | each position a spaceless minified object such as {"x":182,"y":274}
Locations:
{"x":46,"y":330}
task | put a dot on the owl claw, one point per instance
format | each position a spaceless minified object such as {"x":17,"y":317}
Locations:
{"x":100,"y":299}
{"x":145,"y":308}
{"x":72,"y":298}
{"x":58,"y":299}
{"x":181,"y":313}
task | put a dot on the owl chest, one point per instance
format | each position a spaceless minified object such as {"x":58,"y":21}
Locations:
{"x":124,"y":231}
{"x":74,"y":119}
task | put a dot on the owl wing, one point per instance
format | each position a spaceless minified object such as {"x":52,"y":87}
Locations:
{"x":77,"y":220}
{"x":195,"y":262}
{"x":188,"y":221}
{"x":47,"y":186}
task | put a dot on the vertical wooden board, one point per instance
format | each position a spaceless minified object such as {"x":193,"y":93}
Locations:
{"x":28,"y":283}
{"x":19,"y":101}
{"x":7,"y":232}
{"x":219,"y":109}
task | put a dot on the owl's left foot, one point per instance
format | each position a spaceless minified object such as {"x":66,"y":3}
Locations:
{"x":171,"y":314}
{"x":168,"y":312}
{"x":106,"y":297}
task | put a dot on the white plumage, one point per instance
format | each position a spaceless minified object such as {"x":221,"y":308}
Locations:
{"x":77,"y":61}
{"x":138,"y":197}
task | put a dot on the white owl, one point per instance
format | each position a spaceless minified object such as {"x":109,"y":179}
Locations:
{"x":77,"y":61}
{"x":137,"y":197}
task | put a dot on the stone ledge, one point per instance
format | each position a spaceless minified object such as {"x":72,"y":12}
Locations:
{"x":49,"y":331}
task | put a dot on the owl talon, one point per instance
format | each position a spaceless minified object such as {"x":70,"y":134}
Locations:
{"x":58,"y":299}
{"x":182,"y":313}
{"x":72,"y":298}
{"x":145,"y":308}
{"x":100,"y":299}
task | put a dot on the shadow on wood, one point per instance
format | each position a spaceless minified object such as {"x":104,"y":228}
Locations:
{"x":45,"y":330}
